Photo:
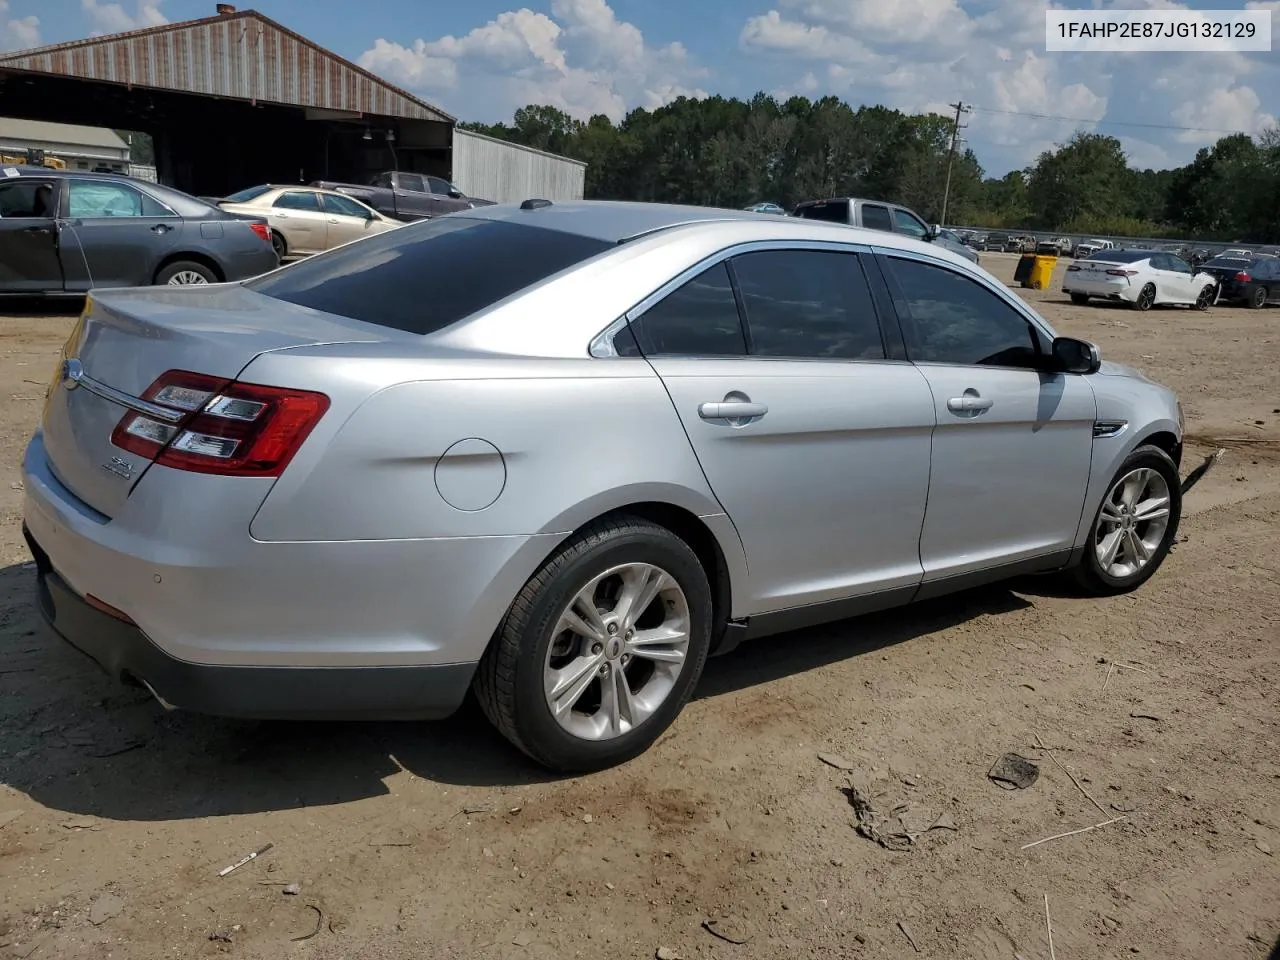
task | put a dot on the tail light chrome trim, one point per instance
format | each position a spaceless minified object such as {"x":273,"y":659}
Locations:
{"x":73,"y":376}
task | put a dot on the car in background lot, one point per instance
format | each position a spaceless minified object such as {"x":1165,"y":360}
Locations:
{"x":306,"y":220}
{"x":767,"y":208}
{"x":406,"y":196}
{"x":1086,"y":248}
{"x":995,"y":242}
{"x":876,"y":215}
{"x":1141,"y":278}
{"x":63,"y":232}
{"x":340,"y":489}
{"x":1252,"y":281}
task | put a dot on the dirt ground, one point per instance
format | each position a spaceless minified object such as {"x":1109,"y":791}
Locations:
{"x":438,"y":840}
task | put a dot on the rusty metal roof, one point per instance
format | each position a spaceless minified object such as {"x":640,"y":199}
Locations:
{"x":243,"y":55}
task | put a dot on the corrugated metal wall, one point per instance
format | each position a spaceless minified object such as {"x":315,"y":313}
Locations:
{"x":508,"y":173}
{"x":244,"y":56}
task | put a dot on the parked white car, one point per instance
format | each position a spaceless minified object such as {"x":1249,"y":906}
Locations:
{"x":1141,"y":278}
{"x":305,"y":220}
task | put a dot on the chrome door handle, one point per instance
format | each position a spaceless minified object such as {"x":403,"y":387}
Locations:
{"x":968,"y":404}
{"x":334,"y":220}
{"x":282,"y":216}
{"x":732,"y":410}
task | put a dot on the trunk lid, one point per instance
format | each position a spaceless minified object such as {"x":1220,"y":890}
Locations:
{"x":126,"y":339}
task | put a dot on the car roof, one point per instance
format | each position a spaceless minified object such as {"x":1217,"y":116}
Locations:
{"x":616,"y":221}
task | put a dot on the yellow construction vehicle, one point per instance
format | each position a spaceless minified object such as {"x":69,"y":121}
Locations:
{"x":21,"y":159}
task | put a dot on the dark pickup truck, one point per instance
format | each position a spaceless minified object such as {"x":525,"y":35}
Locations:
{"x":407,"y":196}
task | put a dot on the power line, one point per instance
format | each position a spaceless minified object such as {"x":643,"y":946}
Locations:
{"x":1108,"y":123}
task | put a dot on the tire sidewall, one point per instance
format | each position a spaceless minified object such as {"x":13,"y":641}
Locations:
{"x":178,"y":266}
{"x":1260,"y":297}
{"x":1155,"y":459}
{"x":533,"y":716}
{"x":1141,"y":303}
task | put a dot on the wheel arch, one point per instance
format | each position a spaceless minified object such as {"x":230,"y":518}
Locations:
{"x":194,"y":257}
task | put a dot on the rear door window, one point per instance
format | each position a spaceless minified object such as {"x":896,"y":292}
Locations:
{"x":808,"y":304}
{"x":876,"y":217}
{"x":297,"y":200}
{"x":698,"y":319}
{"x":410,"y":181}
{"x":425,"y":276}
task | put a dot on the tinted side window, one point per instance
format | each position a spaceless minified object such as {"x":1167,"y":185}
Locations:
{"x":952,"y":319}
{"x":27,"y":198}
{"x":410,"y":181}
{"x":698,"y":319}
{"x":876,"y":217}
{"x":342,"y":206}
{"x":908,"y":224}
{"x":297,"y":201}
{"x":808,"y":304}
{"x":425,"y":276}
{"x":833,"y":211}
{"x":1177,"y":263}
{"x":436,"y":185}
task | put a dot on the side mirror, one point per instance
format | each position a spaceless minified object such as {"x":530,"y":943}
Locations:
{"x":1076,"y":356}
{"x":455,"y":193}
{"x":930,"y":234}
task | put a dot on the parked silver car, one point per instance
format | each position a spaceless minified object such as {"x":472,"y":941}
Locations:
{"x":562,"y":453}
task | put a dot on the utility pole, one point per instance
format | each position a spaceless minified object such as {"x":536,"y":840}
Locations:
{"x":956,"y":127}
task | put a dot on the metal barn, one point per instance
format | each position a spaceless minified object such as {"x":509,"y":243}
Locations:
{"x":507,"y":173}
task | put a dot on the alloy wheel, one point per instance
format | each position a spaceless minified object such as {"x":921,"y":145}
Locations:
{"x":1260,"y":297}
{"x":617,"y":650}
{"x":184,"y":277}
{"x":1132,"y":522}
{"x":1147,"y":297}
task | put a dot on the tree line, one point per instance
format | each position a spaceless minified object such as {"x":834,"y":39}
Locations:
{"x":731,"y":153}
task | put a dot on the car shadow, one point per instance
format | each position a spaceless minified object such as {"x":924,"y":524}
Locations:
{"x":74,"y":740}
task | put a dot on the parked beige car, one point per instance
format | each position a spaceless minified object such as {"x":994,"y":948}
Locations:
{"x":305,"y":220}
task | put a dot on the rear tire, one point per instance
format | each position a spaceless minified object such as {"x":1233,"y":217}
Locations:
{"x":1259,"y":298}
{"x":1146,"y":298}
{"x":280,"y":246}
{"x":1130,"y":512}
{"x":536,"y":651}
{"x":1080,"y":299}
{"x":185,"y":273}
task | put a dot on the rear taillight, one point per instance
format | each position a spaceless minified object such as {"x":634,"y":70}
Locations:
{"x":1242,"y":277}
{"x":1121,"y":273}
{"x":262,"y":230}
{"x":229,"y":428}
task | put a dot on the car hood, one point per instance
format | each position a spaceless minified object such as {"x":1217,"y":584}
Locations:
{"x":1110,"y":368}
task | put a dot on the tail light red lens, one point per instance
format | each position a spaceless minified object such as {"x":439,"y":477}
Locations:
{"x":1242,"y":277}
{"x":241,"y":429}
{"x":262,"y":230}
{"x":1122,"y":273}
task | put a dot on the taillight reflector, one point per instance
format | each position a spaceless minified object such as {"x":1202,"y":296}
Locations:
{"x":262,"y":230}
{"x":1122,"y":273}
{"x":103,"y":607}
{"x":241,"y":429}
{"x":1242,"y":277}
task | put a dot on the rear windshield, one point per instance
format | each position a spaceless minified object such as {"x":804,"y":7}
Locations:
{"x":247,"y":194}
{"x":422,"y":277}
{"x":1235,"y":263}
{"x":834,"y":211}
{"x":1121,"y":256}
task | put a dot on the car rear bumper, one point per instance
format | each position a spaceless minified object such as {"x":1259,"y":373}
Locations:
{"x":1117,"y":288}
{"x":120,"y":648}
{"x":247,"y":264}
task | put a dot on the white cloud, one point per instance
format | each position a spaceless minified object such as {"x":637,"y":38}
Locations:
{"x":113,"y":18}
{"x":581,"y":58}
{"x":919,"y":54}
{"x":19,"y":33}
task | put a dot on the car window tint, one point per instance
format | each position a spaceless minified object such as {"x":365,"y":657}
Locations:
{"x":876,"y":217}
{"x":1177,"y":263}
{"x":425,"y":276}
{"x":93,"y":199}
{"x":342,"y":206}
{"x":381,"y":180}
{"x":27,"y":198}
{"x":907,"y":224}
{"x":410,"y":181}
{"x":832,"y":211}
{"x":952,"y":319}
{"x":297,"y":200}
{"x":436,"y":185}
{"x":808,"y":304}
{"x":697,"y":319}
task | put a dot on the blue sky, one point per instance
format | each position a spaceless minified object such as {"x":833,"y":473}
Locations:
{"x":481,"y":60}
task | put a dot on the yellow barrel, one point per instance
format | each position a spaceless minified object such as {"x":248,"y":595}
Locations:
{"x":1042,"y":272}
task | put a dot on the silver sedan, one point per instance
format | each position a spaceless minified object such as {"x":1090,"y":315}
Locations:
{"x":562,"y":453}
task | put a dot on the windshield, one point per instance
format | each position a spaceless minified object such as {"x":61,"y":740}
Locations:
{"x":1122,"y":256}
{"x":423,"y":277}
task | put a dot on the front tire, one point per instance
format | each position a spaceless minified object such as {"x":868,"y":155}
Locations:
{"x":1205,"y":300}
{"x":1135,"y":525}
{"x":601,"y":650}
{"x":1079,"y":299}
{"x":1146,"y":298}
